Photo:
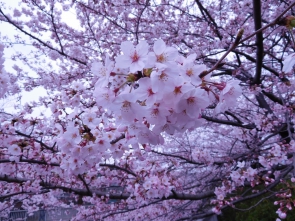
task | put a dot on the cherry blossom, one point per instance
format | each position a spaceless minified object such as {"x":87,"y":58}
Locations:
{"x":126,"y":106}
{"x":192,"y":103}
{"x":191,"y":71}
{"x":161,"y":55}
{"x":133,"y":58}
{"x":145,"y":92}
{"x":15,"y":151}
{"x":151,"y":107}
{"x":162,"y":80}
{"x":229,"y":95}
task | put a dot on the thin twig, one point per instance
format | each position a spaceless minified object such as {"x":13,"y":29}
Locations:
{"x":232,"y":47}
{"x":270,"y":24}
{"x":238,"y":40}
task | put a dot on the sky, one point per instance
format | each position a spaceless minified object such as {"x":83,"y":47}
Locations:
{"x":8,"y":30}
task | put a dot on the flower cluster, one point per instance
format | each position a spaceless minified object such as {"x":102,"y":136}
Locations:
{"x":276,"y":155}
{"x":150,"y":92}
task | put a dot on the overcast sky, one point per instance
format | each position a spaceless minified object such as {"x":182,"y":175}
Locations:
{"x":8,"y":30}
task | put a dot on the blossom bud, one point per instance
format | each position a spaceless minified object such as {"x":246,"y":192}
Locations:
{"x":239,"y":36}
{"x":147,"y":72}
{"x":220,"y":86}
{"x":122,"y":128}
{"x":203,"y":74}
{"x":282,"y":215}
{"x":131,"y":78}
{"x":288,"y":21}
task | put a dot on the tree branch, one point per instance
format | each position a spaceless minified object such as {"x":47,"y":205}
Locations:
{"x":100,"y":193}
{"x":38,"y":40}
{"x":37,"y":141}
{"x":227,"y":122}
{"x":118,"y":168}
{"x":118,"y":139}
{"x":268,"y":188}
{"x":84,"y":182}
{"x":206,"y":14}
{"x":272,"y":97}
{"x":30,"y":161}
{"x":274,"y":22}
{"x":248,"y":57}
{"x":262,"y":102}
{"x":259,"y":41}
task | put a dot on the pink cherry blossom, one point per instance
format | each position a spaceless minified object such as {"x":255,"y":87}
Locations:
{"x":133,"y":58}
{"x":14,"y":150}
{"x":191,"y":72}
{"x":162,"y":80}
{"x":157,"y":114}
{"x":186,"y":115}
{"x":145,"y":92}
{"x":162,"y":54}
{"x":228,"y":96}
{"x":72,"y":134}
{"x":192,"y":102}
{"x":125,"y":105}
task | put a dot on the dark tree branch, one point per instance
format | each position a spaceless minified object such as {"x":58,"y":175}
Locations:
{"x":262,"y":102}
{"x":206,"y":14}
{"x":55,"y":30}
{"x":248,"y":57}
{"x":233,"y":116}
{"x":138,"y":22}
{"x":231,"y":48}
{"x":227,"y":122}
{"x":177,"y":156}
{"x":100,"y":193}
{"x":30,"y":161}
{"x":259,"y":41}
{"x":245,"y":198}
{"x":272,"y":97}
{"x":274,"y":22}
{"x":37,"y":141}
{"x":112,"y":166}
{"x":118,"y":139}
{"x":12,"y":194}
{"x":84,"y":183}
{"x":38,"y":40}
{"x":118,"y":168}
